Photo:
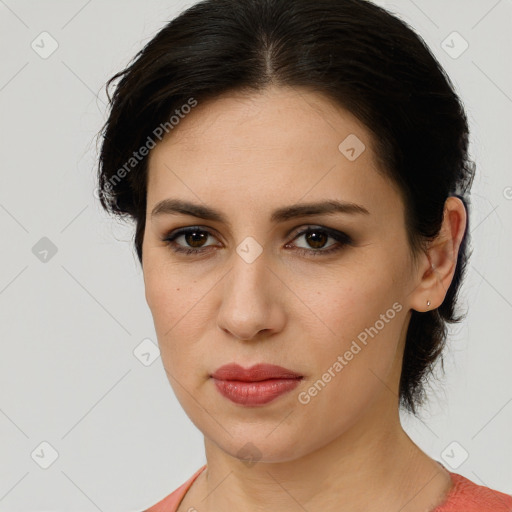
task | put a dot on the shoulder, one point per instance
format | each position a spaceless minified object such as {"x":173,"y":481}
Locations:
{"x":467,"y":496}
{"x":170,"y":503}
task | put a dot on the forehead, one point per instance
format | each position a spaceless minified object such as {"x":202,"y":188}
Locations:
{"x":277,"y":116}
{"x":281,"y":143}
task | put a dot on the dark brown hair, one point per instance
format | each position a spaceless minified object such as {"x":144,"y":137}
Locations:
{"x":356,"y":53}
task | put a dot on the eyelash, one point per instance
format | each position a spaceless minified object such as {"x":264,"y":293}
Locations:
{"x":342,"y":238}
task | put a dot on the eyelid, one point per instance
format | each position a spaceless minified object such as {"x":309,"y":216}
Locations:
{"x":312,"y":227}
{"x":340,"y":237}
{"x":174,"y":233}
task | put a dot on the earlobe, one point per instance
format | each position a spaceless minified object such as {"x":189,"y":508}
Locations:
{"x":440,"y":258}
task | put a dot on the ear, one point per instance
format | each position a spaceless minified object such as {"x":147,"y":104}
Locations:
{"x":437,"y":264}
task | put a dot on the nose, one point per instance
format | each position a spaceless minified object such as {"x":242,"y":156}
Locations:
{"x":251,"y":300}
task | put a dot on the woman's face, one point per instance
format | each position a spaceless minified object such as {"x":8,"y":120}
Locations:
{"x":260,"y":290}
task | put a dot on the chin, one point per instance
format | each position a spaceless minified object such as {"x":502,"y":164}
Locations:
{"x":263,"y":448}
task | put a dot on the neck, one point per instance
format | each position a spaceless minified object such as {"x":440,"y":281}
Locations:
{"x":373,"y":466}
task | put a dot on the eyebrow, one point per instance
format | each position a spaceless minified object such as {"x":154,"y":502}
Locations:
{"x":330,"y":207}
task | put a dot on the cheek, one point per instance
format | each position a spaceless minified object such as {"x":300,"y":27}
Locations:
{"x":363,"y":318}
{"x":161,"y":296}
{"x":353,"y":367}
{"x":177,"y":307}
{"x":167,"y":290}
{"x":353,"y":299}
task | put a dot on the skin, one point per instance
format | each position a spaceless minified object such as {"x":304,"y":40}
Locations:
{"x":345,"y":450}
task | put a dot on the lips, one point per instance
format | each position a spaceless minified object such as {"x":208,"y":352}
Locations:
{"x":255,"y":373}
{"x":255,"y":386}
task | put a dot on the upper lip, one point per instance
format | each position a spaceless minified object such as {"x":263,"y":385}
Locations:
{"x":255,"y":373}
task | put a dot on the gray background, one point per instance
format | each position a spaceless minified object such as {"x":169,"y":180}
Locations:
{"x":73,"y":373}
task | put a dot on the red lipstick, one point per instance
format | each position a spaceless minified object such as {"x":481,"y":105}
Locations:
{"x":257,"y":385}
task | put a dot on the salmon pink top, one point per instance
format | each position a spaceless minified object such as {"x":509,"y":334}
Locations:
{"x":464,"y":496}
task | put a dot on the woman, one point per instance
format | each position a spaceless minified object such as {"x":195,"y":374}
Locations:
{"x":298,"y":174}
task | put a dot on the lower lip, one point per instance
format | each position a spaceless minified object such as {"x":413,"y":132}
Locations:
{"x":255,"y":393}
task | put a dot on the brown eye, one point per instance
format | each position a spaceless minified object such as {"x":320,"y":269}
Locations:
{"x":316,"y":238}
{"x":194,"y":239}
